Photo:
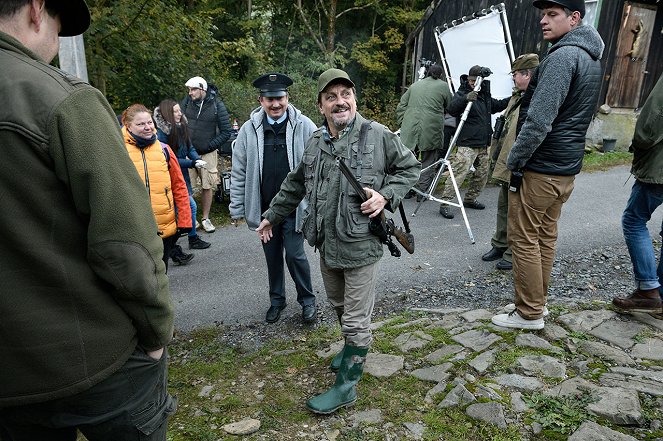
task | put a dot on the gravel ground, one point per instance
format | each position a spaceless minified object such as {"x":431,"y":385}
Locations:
{"x":596,"y":276}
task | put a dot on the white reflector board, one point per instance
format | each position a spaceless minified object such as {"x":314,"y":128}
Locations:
{"x":483,"y":41}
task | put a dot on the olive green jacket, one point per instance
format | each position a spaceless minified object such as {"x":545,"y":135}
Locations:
{"x":420,"y":114}
{"x":648,"y":139}
{"x":82,"y":275}
{"x":504,"y":144}
{"x":342,"y":229}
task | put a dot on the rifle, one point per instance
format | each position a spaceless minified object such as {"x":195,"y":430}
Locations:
{"x":382,"y":227}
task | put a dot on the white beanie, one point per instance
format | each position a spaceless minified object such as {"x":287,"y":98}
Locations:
{"x":197,"y":82}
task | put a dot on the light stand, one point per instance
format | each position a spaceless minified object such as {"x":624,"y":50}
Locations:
{"x":444,"y":163}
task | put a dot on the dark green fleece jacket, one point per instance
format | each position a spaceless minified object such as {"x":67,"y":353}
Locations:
{"x":81,"y":276}
{"x":648,"y":139}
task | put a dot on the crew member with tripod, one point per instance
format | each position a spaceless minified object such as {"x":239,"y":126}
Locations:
{"x":337,"y":222}
{"x":473,"y":141}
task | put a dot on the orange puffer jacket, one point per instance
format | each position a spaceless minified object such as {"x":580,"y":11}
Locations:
{"x":164,"y":182}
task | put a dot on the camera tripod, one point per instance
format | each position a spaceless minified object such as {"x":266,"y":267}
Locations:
{"x":444,"y":163}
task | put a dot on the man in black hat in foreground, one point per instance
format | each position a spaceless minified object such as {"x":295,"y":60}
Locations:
{"x":555,"y":112}
{"x":270,"y":145}
{"x":336,"y":220}
{"x":86,"y":310}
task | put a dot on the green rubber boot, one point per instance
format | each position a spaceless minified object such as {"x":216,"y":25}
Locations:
{"x":344,"y":391}
{"x":335,"y":364}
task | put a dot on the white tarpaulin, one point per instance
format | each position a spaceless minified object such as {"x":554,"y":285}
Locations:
{"x":479,"y":41}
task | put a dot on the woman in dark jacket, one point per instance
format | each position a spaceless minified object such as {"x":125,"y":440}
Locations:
{"x":172,"y":129}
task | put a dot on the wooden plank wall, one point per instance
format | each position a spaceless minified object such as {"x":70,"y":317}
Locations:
{"x":526,"y":33}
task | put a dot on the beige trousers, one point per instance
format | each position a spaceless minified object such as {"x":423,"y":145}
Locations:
{"x":532,"y":236}
{"x":352,"y":294}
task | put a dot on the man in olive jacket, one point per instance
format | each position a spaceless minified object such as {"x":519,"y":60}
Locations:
{"x":336,"y":220}
{"x":85,"y":306}
{"x":420,"y":114}
{"x":646,"y":196}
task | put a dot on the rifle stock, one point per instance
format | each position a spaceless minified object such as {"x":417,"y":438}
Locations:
{"x":405,"y":239}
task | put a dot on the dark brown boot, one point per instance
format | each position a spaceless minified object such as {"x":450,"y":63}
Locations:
{"x":648,"y":300}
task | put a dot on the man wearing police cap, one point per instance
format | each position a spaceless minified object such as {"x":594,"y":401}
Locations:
{"x":337,"y":221}
{"x":522,"y":70}
{"x":86,"y":309}
{"x":554,"y":115}
{"x":270,"y":145}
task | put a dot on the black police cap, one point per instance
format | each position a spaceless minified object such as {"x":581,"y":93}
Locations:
{"x":273,"y":84}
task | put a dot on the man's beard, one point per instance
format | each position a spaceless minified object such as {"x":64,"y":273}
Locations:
{"x":341,"y":122}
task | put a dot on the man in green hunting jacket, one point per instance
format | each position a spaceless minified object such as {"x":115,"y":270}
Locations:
{"x":420,"y":114}
{"x":336,"y":221}
{"x":86,"y":309}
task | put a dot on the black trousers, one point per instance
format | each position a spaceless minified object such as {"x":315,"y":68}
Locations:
{"x":285,"y":238}
{"x":130,"y":405}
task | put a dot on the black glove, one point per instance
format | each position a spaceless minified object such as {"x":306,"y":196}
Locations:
{"x":181,"y":232}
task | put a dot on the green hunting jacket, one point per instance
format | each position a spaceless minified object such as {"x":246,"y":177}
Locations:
{"x":81,"y":270}
{"x":648,"y":139}
{"x":342,"y":229}
{"x":420,"y":114}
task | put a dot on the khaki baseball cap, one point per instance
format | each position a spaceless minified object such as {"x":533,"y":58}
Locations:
{"x":331,"y":75}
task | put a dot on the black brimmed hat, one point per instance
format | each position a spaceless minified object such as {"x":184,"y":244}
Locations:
{"x":273,"y":84}
{"x":74,"y":16}
{"x":572,"y":5}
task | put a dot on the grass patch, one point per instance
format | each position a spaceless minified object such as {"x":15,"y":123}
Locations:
{"x":598,"y":161}
{"x":559,"y":415}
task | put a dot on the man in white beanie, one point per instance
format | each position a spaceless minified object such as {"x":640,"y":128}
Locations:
{"x":209,"y":126}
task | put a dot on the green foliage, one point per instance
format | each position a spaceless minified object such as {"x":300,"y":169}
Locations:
{"x":144,"y":51}
{"x":559,"y":414}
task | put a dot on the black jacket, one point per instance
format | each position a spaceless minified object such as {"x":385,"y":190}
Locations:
{"x":209,"y":122}
{"x":477,"y":130}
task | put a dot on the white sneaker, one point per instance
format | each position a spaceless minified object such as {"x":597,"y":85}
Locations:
{"x":514,"y":320}
{"x":512,"y":307}
{"x":197,"y":225}
{"x":208,"y":226}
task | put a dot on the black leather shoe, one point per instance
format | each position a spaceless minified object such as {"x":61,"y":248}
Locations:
{"x":474,"y":204}
{"x":504,"y":265}
{"x":409,"y":194}
{"x":446,"y":212}
{"x":308,"y":313}
{"x":274,"y":313}
{"x":198,"y":244}
{"x":493,"y":254}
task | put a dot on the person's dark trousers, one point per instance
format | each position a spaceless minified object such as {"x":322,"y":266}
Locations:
{"x":428,"y":157}
{"x":499,"y":239}
{"x":285,"y":238}
{"x":448,"y":136}
{"x":168,"y":244}
{"x":130,"y":405}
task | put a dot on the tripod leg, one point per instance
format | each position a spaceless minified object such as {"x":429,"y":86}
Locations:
{"x":460,"y":204}
{"x":433,"y":184}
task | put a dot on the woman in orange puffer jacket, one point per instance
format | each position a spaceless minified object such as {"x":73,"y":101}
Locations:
{"x":158,"y":168}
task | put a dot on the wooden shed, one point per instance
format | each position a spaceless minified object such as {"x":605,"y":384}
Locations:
{"x":632,"y":31}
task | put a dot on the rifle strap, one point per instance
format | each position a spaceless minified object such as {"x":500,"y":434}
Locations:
{"x":363,"y":134}
{"x":406,"y":224}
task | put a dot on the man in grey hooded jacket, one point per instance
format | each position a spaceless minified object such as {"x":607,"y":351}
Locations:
{"x":556,"y":110}
{"x":270,"y":145}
